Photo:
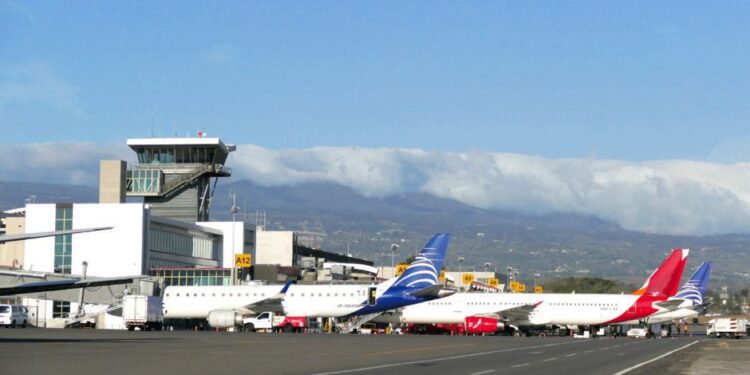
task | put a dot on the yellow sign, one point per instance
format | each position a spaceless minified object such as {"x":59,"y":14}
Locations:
{"x":521,"y":287}
{"x":400,"y":268}
{"x":538,"y":289}
{"x":442,"y":276}
{"x":467,"y":278}
{"x":493,"y":282}
{"x":243,"y":260}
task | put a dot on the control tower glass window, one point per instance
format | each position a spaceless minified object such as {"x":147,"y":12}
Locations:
{"x":63,"y":243}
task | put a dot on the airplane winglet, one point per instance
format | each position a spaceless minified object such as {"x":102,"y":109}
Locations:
{"x":286,"y":286}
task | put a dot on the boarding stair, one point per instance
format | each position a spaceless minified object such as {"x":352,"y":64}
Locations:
{"x":75,"y":320}
{"x":356,"y":322}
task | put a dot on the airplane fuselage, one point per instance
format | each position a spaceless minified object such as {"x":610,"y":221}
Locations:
{"x":551,"y":308}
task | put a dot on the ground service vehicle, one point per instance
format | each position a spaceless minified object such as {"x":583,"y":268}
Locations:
{"x":727,"y":327}
{"x":14,"y":316}
{"x":274,"y":322}
{"x":142,"y":312}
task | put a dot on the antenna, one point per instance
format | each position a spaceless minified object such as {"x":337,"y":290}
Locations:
{"x":234,"y":208}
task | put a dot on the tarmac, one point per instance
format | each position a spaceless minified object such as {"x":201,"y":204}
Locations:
{"x":35,"y":351}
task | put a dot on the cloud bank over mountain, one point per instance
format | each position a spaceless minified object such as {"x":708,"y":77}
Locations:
{"x":669,"y":197}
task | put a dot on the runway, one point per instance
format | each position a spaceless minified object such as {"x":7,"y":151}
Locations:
{"x":34,"y":351}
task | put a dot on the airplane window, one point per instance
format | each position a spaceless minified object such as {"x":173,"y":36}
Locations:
{"x":302,"y":294}
{"x":167,"y":294}
{"x":178,"y":294}
{"x":328,"y":294}
{"x":320,"y":294}
{"x":222,"y":294}
{"x":195,"y":294}
{"x":203,"y":294}
{"x":230,"y":294}
{"x":213,"y":295}
{"x":336,"y":295}
{"x":291,"y":294}
{"x":262,"y":294}
{"x":255,"y":294}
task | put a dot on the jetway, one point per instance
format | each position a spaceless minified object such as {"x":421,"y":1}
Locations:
{"x":95,"y":295}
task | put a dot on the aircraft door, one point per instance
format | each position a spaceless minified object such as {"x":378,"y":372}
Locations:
{"x":371,"y":296}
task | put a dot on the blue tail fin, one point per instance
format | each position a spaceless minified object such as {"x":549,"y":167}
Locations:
{"x":425,"y":268}
{"x":695,"y":288}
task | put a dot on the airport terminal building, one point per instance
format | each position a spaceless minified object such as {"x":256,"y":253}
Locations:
{"x":158,"y":215}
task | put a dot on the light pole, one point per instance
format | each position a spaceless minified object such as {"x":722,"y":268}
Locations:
{"x":460,"y":261}
{"x":394,"y":250}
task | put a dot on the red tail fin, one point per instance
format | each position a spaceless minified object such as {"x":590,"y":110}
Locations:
{"x":665,"y":281}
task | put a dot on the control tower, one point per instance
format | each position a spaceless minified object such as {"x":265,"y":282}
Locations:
{"x":173,"y":175}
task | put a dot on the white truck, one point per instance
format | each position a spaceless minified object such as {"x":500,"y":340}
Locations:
{"x":269,"y":321}
{"x":727,"y":327}
{"x":142,"y":312}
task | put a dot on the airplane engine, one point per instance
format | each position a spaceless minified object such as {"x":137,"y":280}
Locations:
{"x":482,"y":324}
{"x":224,"y":318}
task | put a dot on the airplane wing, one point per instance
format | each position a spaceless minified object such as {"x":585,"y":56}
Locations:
{"x":48,"y":286}
{"x":30,"y":236}
{"x":270,"y":303}
{"x":669,"y":305}
{"x":702,"y":306}
{"x":436,"y":291}
{"x":519,"y":314}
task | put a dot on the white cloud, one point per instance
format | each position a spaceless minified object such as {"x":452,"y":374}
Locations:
{"x":57,"y":162}
{"x":670,"y":197}
{"x":36,"y":82}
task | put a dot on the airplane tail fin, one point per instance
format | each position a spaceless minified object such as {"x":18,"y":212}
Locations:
{"x":695,"y":288}
{"x":666,"y":279}
{"x":424,"y":270}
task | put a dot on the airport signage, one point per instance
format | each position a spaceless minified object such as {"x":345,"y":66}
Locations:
{"x":400,"y":268}
{"x":467,"y":278}
{"x":538,"y":289}
{"x":493,"y":282}
{"x":442,"y":276}
{"x":243,"y":260}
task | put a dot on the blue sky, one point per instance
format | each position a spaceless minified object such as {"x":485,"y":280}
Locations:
{"x":607,"y":80}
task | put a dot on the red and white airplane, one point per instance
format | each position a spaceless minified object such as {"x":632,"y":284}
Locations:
{"x":490,"y":312}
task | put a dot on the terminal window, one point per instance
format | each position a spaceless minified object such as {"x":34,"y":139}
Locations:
{"x":63,"y":243}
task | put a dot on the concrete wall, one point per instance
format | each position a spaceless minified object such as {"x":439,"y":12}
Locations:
{"x":39,"y":254}
{"x":11,"y":253}
{"x":112,"y":181}
{"x":274,"y":247}
{"x":233,"y":239}
{"x":114,"y":252}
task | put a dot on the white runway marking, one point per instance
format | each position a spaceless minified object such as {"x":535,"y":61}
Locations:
{"x":520,"y":365}
{"x":625,"y":371}
{"x":444,"y":358}
{"x":549,"y":359}
{"x":588,"y":351}
{"x":572,"y":354}
{"x":482,"y":372}
{"x":536,"y":352}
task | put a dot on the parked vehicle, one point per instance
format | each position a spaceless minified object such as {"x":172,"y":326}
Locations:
{"x":727,"y":327}
{"x":142,"y":312}
{"x":638,"y":333}
{"x":14,"y":316}
{"x":269,"y":321}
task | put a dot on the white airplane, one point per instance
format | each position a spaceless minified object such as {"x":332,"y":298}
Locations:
{"x":489,"y":312}
{"x":227,"y":306}
{"x":691,"y":297}
{"x":48,"y":286}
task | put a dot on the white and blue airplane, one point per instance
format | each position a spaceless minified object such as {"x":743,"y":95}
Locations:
{"x":228,"y":306}
{"x":689,"y":300}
